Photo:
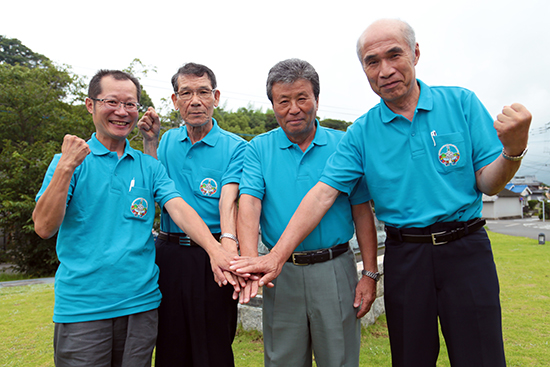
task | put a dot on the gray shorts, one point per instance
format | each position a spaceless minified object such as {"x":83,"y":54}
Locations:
{"x":125,"y":341}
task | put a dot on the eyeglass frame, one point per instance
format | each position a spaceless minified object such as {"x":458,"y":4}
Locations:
{"x":196,"y":93}
{"x":124,"y":104}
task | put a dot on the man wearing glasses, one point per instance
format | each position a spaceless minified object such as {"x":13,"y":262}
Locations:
{"x":100,"y":194}
{"x":197,"y":317}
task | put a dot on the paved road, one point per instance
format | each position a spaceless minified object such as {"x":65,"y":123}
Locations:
{"x":526,"y":227}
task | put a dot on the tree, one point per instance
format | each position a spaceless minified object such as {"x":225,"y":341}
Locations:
{"x":13,"y":52}
{"x":38,"y":106}
{"x":335,"y":124}
{"x":33,"y":107}
{"x":22,"y":167}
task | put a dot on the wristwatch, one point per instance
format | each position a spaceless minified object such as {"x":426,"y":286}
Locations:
{"x":370,"y":274}
{"x":514,"y":158}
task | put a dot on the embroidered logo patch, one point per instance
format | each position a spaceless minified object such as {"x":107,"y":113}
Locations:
{"x":139,"y":207}
{"x":449,"y":155}
{"x":208,"y":186}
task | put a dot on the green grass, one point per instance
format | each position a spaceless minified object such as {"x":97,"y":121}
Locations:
{"x":524,"y":269}
{"x":8,"y":277}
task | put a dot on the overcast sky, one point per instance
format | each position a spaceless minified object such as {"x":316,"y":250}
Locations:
{"x":500,"y":49}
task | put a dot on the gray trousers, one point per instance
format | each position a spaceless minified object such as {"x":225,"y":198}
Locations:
{"x":125,"y":341}
{"x":310,"y":309}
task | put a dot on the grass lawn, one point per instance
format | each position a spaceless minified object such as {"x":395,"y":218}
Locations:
{"x":524,"y":269}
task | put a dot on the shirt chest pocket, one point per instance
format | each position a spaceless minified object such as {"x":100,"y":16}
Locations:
{"x":139,"y":204}
{"x":448,"y":152}
{"x":207,"y":183}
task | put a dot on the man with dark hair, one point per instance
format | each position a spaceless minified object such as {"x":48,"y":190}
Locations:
{"x":197,"y":317}
{"x":100,"y":195}
{"x":428,"y":154}
{"x":316,"y":302}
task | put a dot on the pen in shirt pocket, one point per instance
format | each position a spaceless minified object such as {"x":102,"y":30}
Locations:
{"x":433,"y":134}
{"x":132,"y":184}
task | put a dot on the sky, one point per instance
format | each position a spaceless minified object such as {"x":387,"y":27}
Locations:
{"x":500,"y":49}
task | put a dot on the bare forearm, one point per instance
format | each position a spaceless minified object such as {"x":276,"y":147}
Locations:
{"x":228,"y":214}
{"x":248,"y":224}
{"x":50,"y":208}
{"x":492,"y":178}
{"x":367,"y":238}
{"x":150,"y":147}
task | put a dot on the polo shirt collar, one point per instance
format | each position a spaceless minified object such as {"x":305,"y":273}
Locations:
{"x":97,"y":148}
{"x":210,"y":139}
{"x":320,"y":137}
{"x":425,"y":102}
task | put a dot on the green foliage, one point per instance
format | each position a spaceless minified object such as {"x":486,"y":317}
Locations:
{"x":246,"y":122}
{"x":38,"y":106}
{"x":249,"y":122}
{"x":335,"y":124}
{"x":546,"y":209}
{"x":13,"y":52}
{"x":532,"y":204}
{"x":22,"y":167}
{"x":32,"y":106}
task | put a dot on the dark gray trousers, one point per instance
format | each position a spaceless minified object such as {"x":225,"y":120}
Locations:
{"x":125,"y":341}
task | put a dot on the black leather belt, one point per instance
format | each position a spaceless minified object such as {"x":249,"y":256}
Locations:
{"x":318,"y":256}
{"x":437,"y":234}
{"x":182,"y":238}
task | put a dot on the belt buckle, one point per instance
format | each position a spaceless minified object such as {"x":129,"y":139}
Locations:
{"x":434,"y":240}
{"x":294,"y":258}
{"x":185,"y":240}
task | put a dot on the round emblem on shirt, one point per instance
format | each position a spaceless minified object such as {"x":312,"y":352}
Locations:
{"x":208,"y":186}
{"x":449,"y":155}
{"x":139,"y":207}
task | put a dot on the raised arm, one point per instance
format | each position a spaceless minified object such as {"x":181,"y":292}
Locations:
{"x":149,"y":127}
{"x":512,"y":126}
{"x":50,"y":208}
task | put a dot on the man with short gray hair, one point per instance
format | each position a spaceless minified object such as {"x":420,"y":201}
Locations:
{"x":316,"y":302}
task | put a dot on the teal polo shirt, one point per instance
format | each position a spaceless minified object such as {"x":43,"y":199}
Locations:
{"x":200,"y":170}
{"x":277,"y":172}
{"x":420,"y":172}
{"x":105,"y":244}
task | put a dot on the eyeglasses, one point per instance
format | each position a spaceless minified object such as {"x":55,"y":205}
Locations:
{"x":203,"y":94}
{"x":113,"y":104}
